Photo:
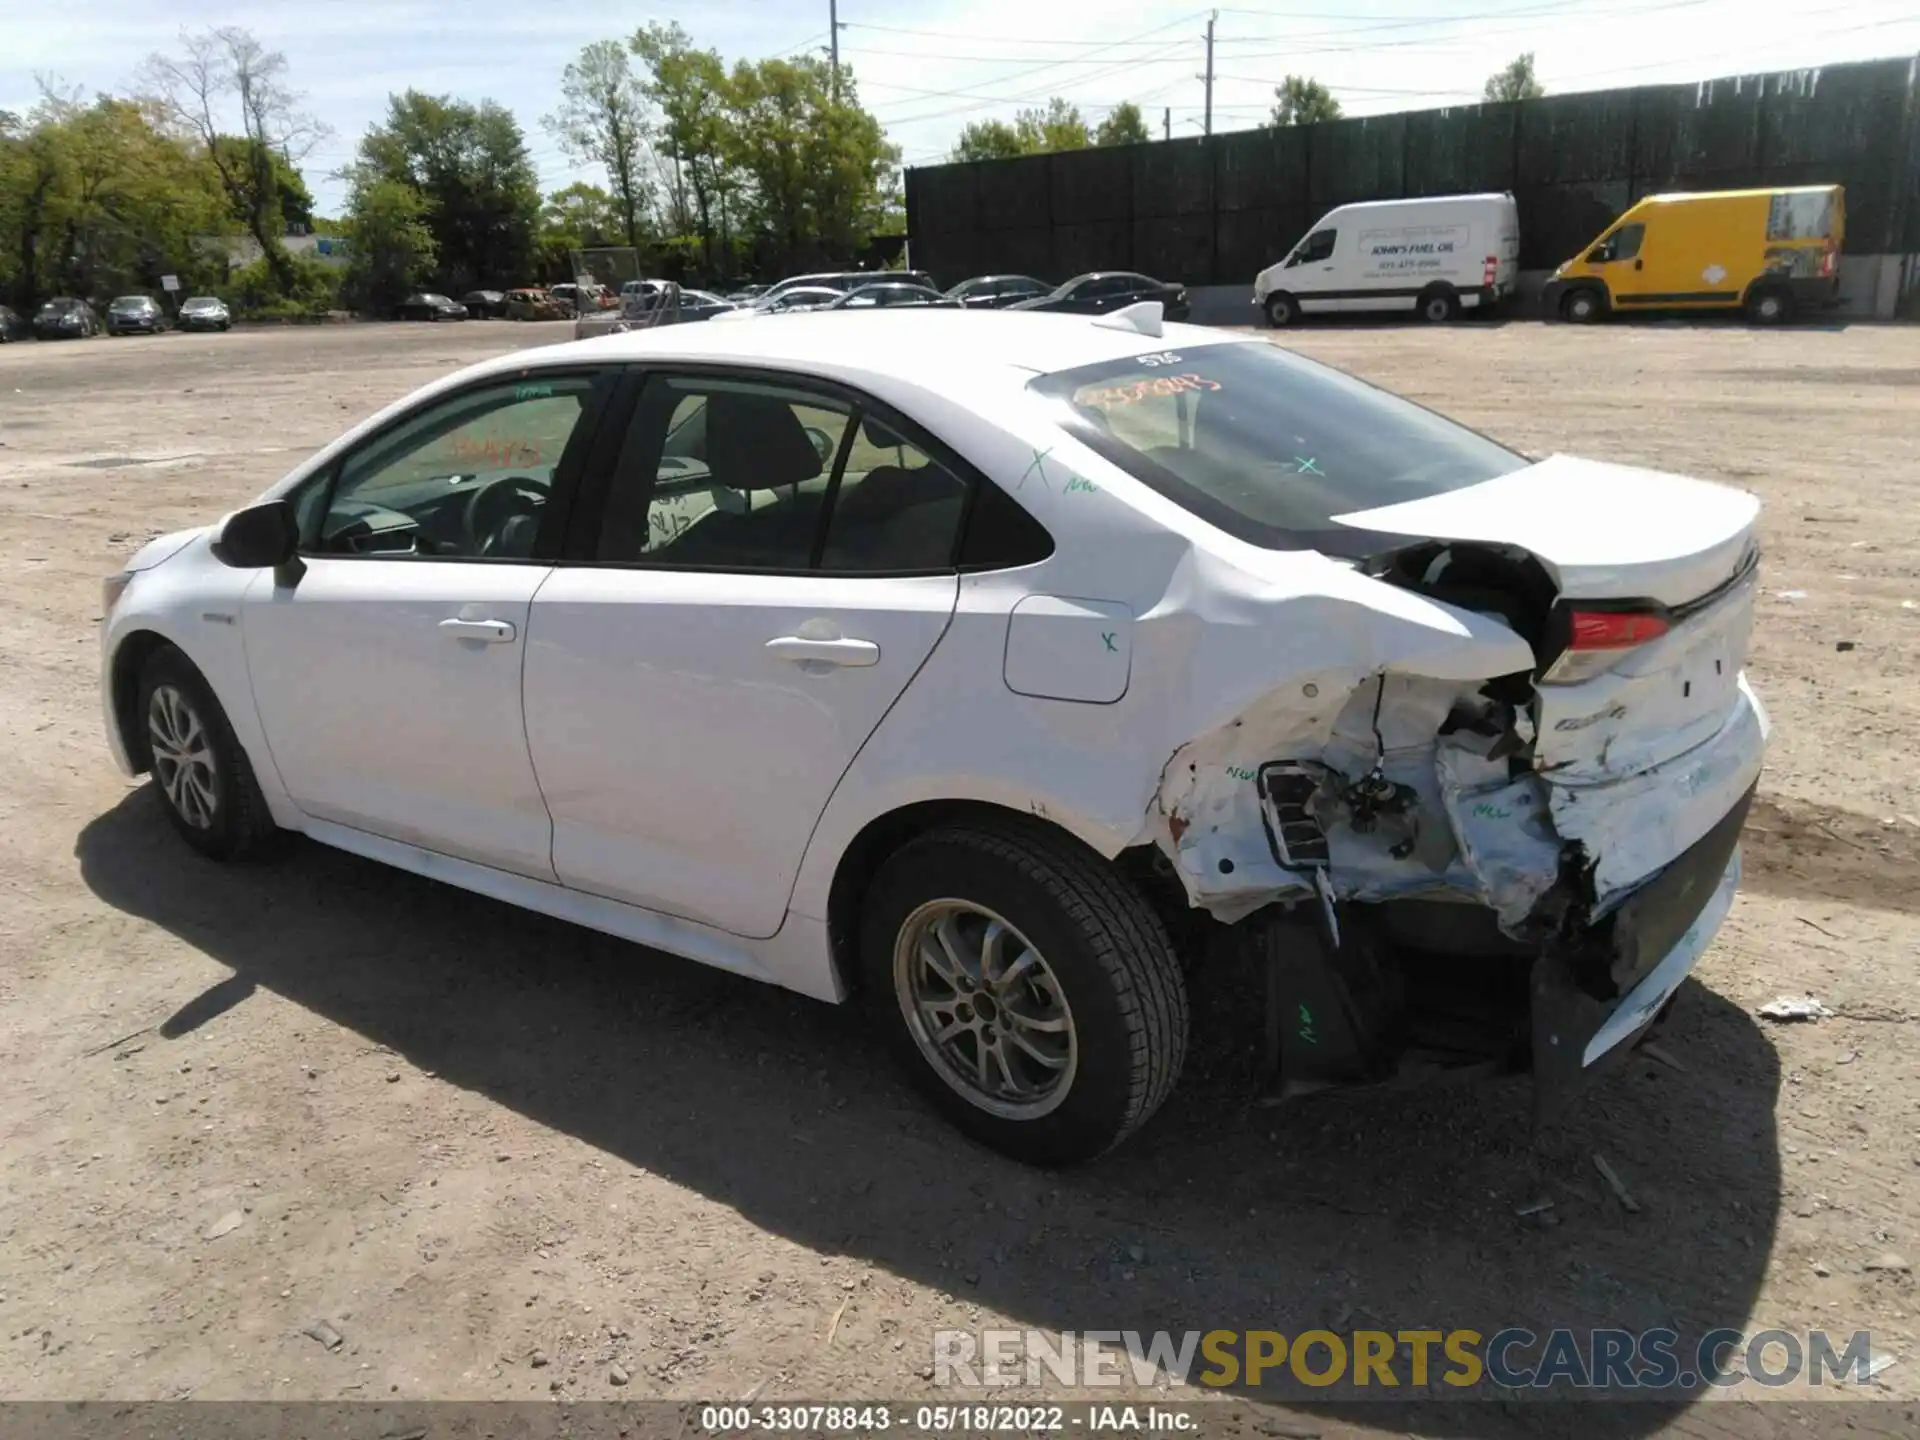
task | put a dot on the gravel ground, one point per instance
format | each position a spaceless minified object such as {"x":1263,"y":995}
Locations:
{"x":502,"y":1157}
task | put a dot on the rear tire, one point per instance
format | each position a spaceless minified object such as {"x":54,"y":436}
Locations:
{"x":1769,"y":305}
{"x":202,"y":777}
{"x":1583,"y":307}
{"x":1051,"y":1020}
{"x":1282,"y":310}
{"x":1439,"y":306}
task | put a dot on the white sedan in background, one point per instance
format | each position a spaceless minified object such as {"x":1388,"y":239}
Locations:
{"x":993,"y":669}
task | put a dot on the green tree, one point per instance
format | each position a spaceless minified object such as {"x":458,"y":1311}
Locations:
{"x":390,"y":244}
{"x":1124,"y":125}
{"x":225,"y":72}
{"x":1301,"y":100}
{"x":989,"y":140}
{"x":602,"y":121}
{"x":694,"y":128}
{"x":1058,"y":127}
{"x":818,"y":163}
{"x":577,"y":218}
{"x":96,"y":196}
{"x":1516,"y":82}
{"x":294,"y":201}
{"x":469,"y":164}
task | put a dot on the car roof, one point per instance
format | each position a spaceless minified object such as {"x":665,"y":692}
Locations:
{"x":921,"y":346}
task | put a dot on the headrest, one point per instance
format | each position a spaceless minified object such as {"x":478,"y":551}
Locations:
{"x":756,"y":442}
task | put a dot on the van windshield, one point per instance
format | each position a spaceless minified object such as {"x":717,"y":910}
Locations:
{"x":1268,"y":446}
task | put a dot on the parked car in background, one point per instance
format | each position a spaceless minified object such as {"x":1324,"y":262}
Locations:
{"x":1105,"y":290}
{"x":1772,"y":253}
{"x":890,"y":295}
{"x":996,"y":292}
{"x":65,"y":318}
{"x":13,"y":325}
{"x":205,"y":312}
{"x":845,"y":280}
{"x":530,"y":303}
{"x":485,"y":304}
{"x":135,"y":315}
{"x":703,"y":305}
{"x":429,"y":306}
{"x":991,"y":674}
{"x":1434,"y":256}
{"x":800,"y":297}
{"x":746,"y":294}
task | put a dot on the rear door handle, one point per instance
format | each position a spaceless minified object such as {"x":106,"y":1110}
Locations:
{"x":492,"y":632}
{"x":830,"y":652}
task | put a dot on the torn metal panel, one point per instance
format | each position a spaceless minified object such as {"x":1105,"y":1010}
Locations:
{"x":1633,"y":827}
{"x":1662,"y":700}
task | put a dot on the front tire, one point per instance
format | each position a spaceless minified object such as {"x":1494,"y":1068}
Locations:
{"x":204,"y":780}
{"x":1029,"y":990}
{"x":1282,"y":310}
{"x":1582,"y":307}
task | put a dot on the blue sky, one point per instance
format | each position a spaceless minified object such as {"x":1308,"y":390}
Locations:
{"x":927,"y":67}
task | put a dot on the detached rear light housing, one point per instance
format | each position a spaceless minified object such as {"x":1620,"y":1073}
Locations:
{"x":1596,"y":641}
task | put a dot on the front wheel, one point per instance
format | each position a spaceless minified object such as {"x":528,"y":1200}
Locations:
{"x":1282,"y":310}
{"x":1582,"y":307}
{"x":1028,"y":988}
{"x":205,"y":782}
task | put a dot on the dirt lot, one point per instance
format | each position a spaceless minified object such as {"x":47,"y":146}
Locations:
{"x":503,"y":1156}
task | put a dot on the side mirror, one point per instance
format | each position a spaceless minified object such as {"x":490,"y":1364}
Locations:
{"x":261,"y":537}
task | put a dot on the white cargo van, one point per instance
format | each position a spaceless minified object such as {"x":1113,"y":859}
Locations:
{"x":1433,"y":256}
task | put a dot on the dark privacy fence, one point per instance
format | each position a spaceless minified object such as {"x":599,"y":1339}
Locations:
{"x":1217,"y":211}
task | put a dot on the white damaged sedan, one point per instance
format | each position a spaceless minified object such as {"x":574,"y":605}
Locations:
{"x":995,"y":670}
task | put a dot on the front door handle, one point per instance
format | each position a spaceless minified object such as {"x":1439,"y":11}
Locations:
{"x":829,"y":652}
{"x":491,"y":632}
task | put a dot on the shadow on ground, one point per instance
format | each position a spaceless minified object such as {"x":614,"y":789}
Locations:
{"x":1387,"y":1209}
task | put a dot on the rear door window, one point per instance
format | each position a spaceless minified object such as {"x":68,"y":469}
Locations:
{"x":1266,"y":445}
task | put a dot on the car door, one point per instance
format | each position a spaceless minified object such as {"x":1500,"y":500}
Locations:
{"x":1310,"y":273}
{"x":1621,"y":260}
{"x":741,"y":614}
{"x":387,"y":678}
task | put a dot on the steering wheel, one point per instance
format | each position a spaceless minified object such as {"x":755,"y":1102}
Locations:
{"x":493,"y":507}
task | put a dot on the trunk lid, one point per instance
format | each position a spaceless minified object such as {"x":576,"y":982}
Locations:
{"x":1645,"y":743}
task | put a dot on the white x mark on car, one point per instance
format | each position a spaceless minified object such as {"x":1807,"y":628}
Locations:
{"x":993,"y":669}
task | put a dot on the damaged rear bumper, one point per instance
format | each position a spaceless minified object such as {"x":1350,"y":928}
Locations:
{"x":1590,"y":1000}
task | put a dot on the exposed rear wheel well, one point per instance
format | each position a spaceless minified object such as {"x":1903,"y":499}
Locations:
{"x":128,"y":662}
{"x":887,"y":833}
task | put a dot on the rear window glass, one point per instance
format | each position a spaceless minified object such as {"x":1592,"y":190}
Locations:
{"x":1266,"y":445}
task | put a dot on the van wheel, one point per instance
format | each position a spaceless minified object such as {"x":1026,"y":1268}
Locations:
{"x":1282,"y":310}
{"x":1771,"y":306}
{"x":1439,"y":305}
{"x":1029,"y":990}
{"x":1582,"y":307}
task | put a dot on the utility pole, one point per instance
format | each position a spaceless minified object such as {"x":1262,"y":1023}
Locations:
{"x":1208,"y":127}
{"x":1166,"y":123}
{"x":833,"y":35}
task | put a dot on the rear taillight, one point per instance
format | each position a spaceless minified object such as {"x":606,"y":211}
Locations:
{"x":1829,"y":262}
{"x":1491,"y":269}
{"x":1596,"y":639}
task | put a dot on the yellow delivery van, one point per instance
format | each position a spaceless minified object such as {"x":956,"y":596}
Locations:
{"x":1772,"y":253}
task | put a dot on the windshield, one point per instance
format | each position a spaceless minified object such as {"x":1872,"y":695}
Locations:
{"x":201,"y":302}
{"x":131,"y":302}
{"x":1266,"y":445}
{"x":60,"y":307}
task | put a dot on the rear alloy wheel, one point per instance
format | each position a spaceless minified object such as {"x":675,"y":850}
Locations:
{"x":1770,"y":307}
{"x":1582,"y":307}
{"x":1437,"y":307}
{"x":203,"y":777}
{"x":1030,"y":990}
{"x":1282,"y":310}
